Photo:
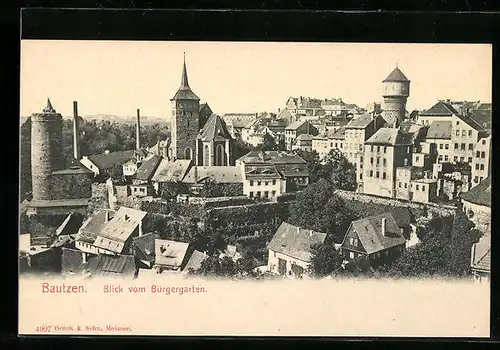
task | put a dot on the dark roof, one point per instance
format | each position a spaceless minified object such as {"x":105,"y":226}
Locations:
{"x":147,"y":169}
{"x":146,"y":244}
{"x":75,"y":202}
{"x":390,"y":137}
{"x":479,"y":194}
{"x":72,"y":260}
{"x":295,"y":242}
{"x":220,"y":174}
{"x":403,"y":216}
{"x":360,"y":122}
{"x":440,"y":109}
{"x":195,"y":261}
{"x":262,"y":171}
{"x":293,"y":170}
{"x":296,"y":125}
{"x":481,"y":255}
{"x":93,"y":225}
{"x":270,"y":157}
{"x":339,"y":134}
{"x":107,"y":161}
{"x":112,"y":265}
{"x":485,"y":106}
{"x":214,"y":129}
{"x":73,"y":170}
{"x":439,"y":130}
{"x":369,"y":232}
{"x":396,"y":75}
{"x":71,"y":224}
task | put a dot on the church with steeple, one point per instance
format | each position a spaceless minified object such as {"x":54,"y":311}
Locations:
{"x":197,"y":133}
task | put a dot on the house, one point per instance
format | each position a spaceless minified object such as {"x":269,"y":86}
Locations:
{"x":297,"y":128}
{"x":101,"y":163}
{"x":222,"y":175}
{"x":235,"y":122}
{"x":147,"y":170}
{"x":170,"y":255}
{"x":376,"y":239}
{"x":170,"y":171}
{"x":476,"y":203}
{"x":303,"y":142}
{"x":143,"y":249}
{"x":106,"y":266}
{"x":262,"y":166}
{"x":263,"y":181}
{"x":481,"y":260}
{"x":290,"y":250}
{"x":194,"y":262}
{"x":328,"y":141}
{"x":90,"y":229}
{"x":481,"y":162}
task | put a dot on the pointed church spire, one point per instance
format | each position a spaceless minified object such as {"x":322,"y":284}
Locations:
{"x":184,"y":79}
{"x":49,"y":108}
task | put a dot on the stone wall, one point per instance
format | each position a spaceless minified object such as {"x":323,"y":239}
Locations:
{"x":71,"y":186}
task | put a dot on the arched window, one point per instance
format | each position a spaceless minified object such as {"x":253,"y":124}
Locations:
{"x":206,"y":155}
{"x":188,"y":153}
{"x":219,"y":155}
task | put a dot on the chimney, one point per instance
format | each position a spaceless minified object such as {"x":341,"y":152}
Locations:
{"x":76,"y":132}
{"x":84,"y":257}
{"x":383,"y":226}
{"x":138,"y":131}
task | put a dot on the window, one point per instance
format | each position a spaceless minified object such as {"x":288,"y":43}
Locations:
{"x":273,"y":193}
{"x":457,"y":133}
{"x":400,"y":185}
{"x":464,"y":133}
{"x":482,"y":166}
{"x":384,"y":175}
{"x":142,"y":190}
{"x":462,"y":147}
{"x":406,"y":185}
{"x":440,"y":157}
{"x":478,"y":154}
{"x":385,"y":149}
{"x":440,"y":146}
{"x":258,"y":194}
{"x":458,"y":123}
{"x":266,"y":182}
{"x":371,"y":160}
{"x":471,"y":146}
{"x":456,"y":146}
{"x":446,"y":146}
{"x":336,"y":145}
{"x":455,"y":158}
{"x":470,"y":132}
{"x":378,"y":160}
{"x":417,"y":158}
{"x":476,"y":179}
{"x":266,"y":194}
{"x":378,"y":148}
{"x":416,"y":187}
{"x":377,"y":174}
{"x":361,"y":176}
{"x":361,"y":159}
{"x":371,"y":148}
{"x":385,"y":162}
{"x":483,"y":154}
{"x":483,"y":142}
{"x":461,"y":159}
{"x":371,"y":173}
{"x":274,"y":182}
{"x":259,"y":183}
{"x":446,"y":158}
{"x":469,"y":159}
{"x":423,"y":188}
{"x":251,"y":182}
{"x":477,"y":166}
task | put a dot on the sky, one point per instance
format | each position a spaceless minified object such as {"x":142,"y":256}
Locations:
{"x":117,"y":77}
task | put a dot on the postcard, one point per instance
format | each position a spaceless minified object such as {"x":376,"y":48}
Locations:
{"x":255,"y":189}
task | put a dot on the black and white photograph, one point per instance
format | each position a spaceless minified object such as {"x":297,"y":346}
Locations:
{"x":254,"y":188}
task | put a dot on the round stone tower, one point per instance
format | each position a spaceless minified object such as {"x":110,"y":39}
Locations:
{"x":46,"y":150}
{"x":396,"y":91}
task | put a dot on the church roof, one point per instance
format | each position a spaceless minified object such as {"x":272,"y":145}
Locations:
{"x":214,"y":129}
{"x":49,"y":108}
{"x":396,"y":75}
{"x":185,"y":92}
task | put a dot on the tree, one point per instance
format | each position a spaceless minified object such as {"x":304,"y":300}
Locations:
{"x":268,"y":144}
{"x":318,"y":208}
{"x":170,"y":190}
{"x":240,"y":148}
{"x":342,"y":172}
{"x":211,"y":189}
{"x":460,"y":245}
{"x":316,"y":169}
{"x":116,"y":174}
{"x":325,"y":259}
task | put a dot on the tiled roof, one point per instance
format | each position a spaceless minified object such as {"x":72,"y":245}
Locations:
{"x":360,"y":122}
{"x":396,"y":75}
{"x":73,"y":170}
{"x":440,"y":109}
{"x":147,"y":169}
{"x":479,"y":194}
{"x":195,"y":261}
{"x":146,"y":244}
{"x":71,"y":224}
{"x":221,"y":174}
{"x":270,"y":157}
{"x":72,"y":260}
{"x":481,"y":255}
{"x":284,"y":114}
{"x":389,"y":136}
{"x":262,"y":171}
{"x":93,"y":226}
{"x":107,"y":161}
{"x":369,"y":231}
{"x":171,"y":171}
{"x":296,"y":125}
{"x":214,"y":129}
{"x":170,"y":253}
{"x":439,"y":130}
{"x":295,"y":242}
{"x":293,"y":170}
{"x":339,"y":134}
{"x":109,"y":265}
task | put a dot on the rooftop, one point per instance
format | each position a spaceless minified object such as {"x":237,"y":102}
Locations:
{"x":108,"y":160}
{"x":214,"y":129}
{"x":295,"y":242}
{"x":73,"y":170}
{"x":147,"y":169}
{"x":170,"y":253}
{"x":109,"y":265}
{"x":262,"y":171}
{"x":195,"y":261}
{"x":146,"y":244}
{"x":93,"y":225}
{"x":171,"y":171}
{"x":479,"y":194}
{"x":481,"y":255}
{"x":296,"y":125}
{"x":360,"y":122}
{"x":439,"y":130}
{"x":220,"y":174}
{"x":185,"y":92}
{"x":396,"y":75}
{"x":390,"y":137}
{"x":270,"y":157}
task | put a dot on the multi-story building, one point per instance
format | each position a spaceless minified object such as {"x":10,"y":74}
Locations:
{"x":385,"y":151}
{"x":481,"y":162}
{"x":298,"y":128}
{"x":328,"y":141}
{"x":303,"y":142}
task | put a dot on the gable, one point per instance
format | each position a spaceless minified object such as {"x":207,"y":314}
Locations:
{"x":347,"y":243}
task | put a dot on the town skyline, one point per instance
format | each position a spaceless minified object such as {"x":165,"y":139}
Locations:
{"x":66,"y":71}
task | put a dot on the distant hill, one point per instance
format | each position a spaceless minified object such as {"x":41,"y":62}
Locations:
{"x":145,"y":120}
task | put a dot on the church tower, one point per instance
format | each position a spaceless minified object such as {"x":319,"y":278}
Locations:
{"x":46,"y":150}
{"x":185,"y":120}
{"x":396,"y":91}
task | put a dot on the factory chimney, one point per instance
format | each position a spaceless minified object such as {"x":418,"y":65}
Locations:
{"x":76,"y":132}
{"x":138,"y":131}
